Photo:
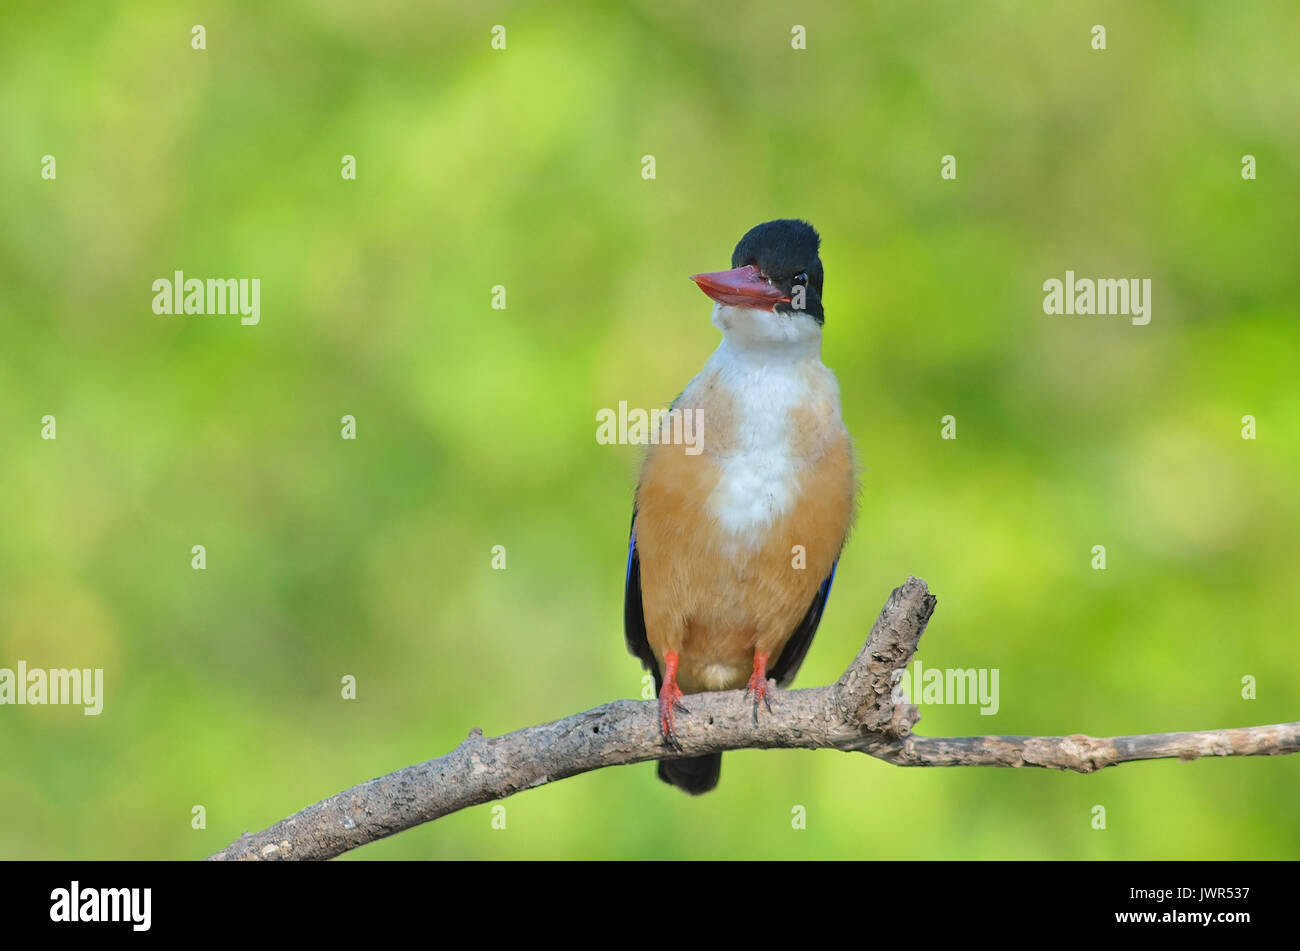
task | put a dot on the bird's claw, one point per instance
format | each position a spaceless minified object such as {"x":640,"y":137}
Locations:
{"x":670,"y":698}
{"x":759,"y":685}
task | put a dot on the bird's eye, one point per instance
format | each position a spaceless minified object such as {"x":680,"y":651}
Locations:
{"x":800,"y":278}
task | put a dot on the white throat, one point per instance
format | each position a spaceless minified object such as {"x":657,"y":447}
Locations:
{"x":767,"y":334}
{"x":767,"y":365}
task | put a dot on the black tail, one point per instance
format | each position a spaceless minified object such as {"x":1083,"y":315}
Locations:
{"x":695,"y":775}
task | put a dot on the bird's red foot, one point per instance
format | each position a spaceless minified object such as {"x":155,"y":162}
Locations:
{"x":670,"y":696}
{"x":759,"y":686}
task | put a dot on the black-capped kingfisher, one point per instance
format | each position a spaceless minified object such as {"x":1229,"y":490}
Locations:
{"x":734,"y":545}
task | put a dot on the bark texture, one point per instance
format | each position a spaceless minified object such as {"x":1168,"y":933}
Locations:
{"x":860,"y":712}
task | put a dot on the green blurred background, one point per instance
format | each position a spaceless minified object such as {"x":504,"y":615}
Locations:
{"x":476,"y":427}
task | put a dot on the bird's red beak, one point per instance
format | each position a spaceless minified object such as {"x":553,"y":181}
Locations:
{"x":740,"y":287}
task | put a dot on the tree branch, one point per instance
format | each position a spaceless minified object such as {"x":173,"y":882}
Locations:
{"x":858,"y":712}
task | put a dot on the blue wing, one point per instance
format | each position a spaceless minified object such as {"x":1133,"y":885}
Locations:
{"x":638,"y":644}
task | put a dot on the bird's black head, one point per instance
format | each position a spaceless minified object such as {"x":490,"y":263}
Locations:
{"x":786,"y":275}
{"x":785,"y":253}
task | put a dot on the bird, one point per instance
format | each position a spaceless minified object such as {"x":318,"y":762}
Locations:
{"x":733,"y":546}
